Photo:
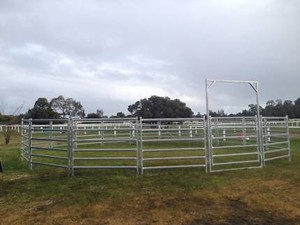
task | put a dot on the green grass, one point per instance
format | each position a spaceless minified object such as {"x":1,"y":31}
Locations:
{"x":181,"y":196}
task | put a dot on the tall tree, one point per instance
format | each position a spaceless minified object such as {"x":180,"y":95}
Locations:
{"x":160,"y":107}
{"x":297,"y":108}
{"x":288,"y":108}
{"x":99,"y":114}
{"x":119,"y":115}
{"x":42,"y":110}
{"x":67,"y":107}
{"x":269,"y":109}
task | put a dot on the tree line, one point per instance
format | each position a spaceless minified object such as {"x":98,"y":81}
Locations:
{"x":273,"y":108}
{"x":152,"y":107}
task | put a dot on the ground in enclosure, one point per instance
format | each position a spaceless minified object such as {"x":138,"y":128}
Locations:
{"x":181,"y":196}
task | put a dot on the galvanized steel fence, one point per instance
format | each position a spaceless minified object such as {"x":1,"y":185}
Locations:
{"x":216,"y":144}
{"x":172,"y":143}
{"x":234,"y":143}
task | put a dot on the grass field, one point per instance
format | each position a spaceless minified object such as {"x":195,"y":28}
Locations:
{"x":269,"y":196}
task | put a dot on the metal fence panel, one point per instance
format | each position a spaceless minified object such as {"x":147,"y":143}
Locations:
{"x":105,"y":144}
{"x":234,"y":143}
{"x":49,"y":145}
{"x":276,"y":138}
{"x":172,"y":143}
{"x":217,"y":144}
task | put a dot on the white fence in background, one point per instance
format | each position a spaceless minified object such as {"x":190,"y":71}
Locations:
{"x":220,"y":144}
{"x":293,"y":123}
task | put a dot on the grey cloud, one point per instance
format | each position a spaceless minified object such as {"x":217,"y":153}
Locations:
{"x":105,"y":51}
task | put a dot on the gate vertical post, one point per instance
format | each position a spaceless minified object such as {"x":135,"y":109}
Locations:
{"x":205,"y":144}
{"x":261,"y":141}
{"x":208,"y":128}
{"x":260,"y":125}
{"x":208,"y":142}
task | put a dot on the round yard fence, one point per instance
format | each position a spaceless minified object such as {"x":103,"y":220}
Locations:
{"x":220,"y":144}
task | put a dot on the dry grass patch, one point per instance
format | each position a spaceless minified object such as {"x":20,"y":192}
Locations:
{"x":269,"y":196}
{"x":250,"y":202}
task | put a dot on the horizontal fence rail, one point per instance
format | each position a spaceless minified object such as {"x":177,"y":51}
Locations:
{"x":172,"y":143}
{"x":276,"y":138}
{"x":45,"y":147}
{"x":234,"y":143}
{"x":105,"y":144}
{"x":142,"y":144}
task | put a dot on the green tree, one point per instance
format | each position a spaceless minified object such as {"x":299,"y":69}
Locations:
{"x":99,"y":114}
{"x":297,"y":108}
{"x":198,"y":115}
{"x":67,"y":107}
{"x":42,"y":110}
{"x":160,"y":107}
{"x":119,"y":115}
{"x":288,"y":108}
{"x":269,"y":109}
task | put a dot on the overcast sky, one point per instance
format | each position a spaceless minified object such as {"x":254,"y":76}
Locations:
{"x":108,"y":54}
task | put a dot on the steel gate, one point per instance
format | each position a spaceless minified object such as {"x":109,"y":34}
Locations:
{"x":172,"y":143}
{"x":45,"y":142}
{"x":276,"y":142}
{"x":234,"y":143}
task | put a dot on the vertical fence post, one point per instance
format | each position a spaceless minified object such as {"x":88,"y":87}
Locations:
{"x":244,"y":131}
{"x":115,"y":131}
{"x":135,"y":135}
{"x":209,"y":144}
{"x":74,"y":134}
{"x":288,"y":136}
{"x":261,"y":142}
{"x":22,"y":139}
{"x":224,"y":134}
{"x":50,"y":134}
{"x":269,"y":133}
{"x":30,"y":143}
{"x":70,"y":148}
{"x":159,"y":128}
{"x":205,"y":144}
{"x":266,"y":134}
{"x":216,"y":134}
{"x":102,"y":131}
{"x":141,"y":145}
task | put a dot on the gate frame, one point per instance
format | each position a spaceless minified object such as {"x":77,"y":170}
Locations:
{"x":254,"y":85}
{"x":198,"y":149}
